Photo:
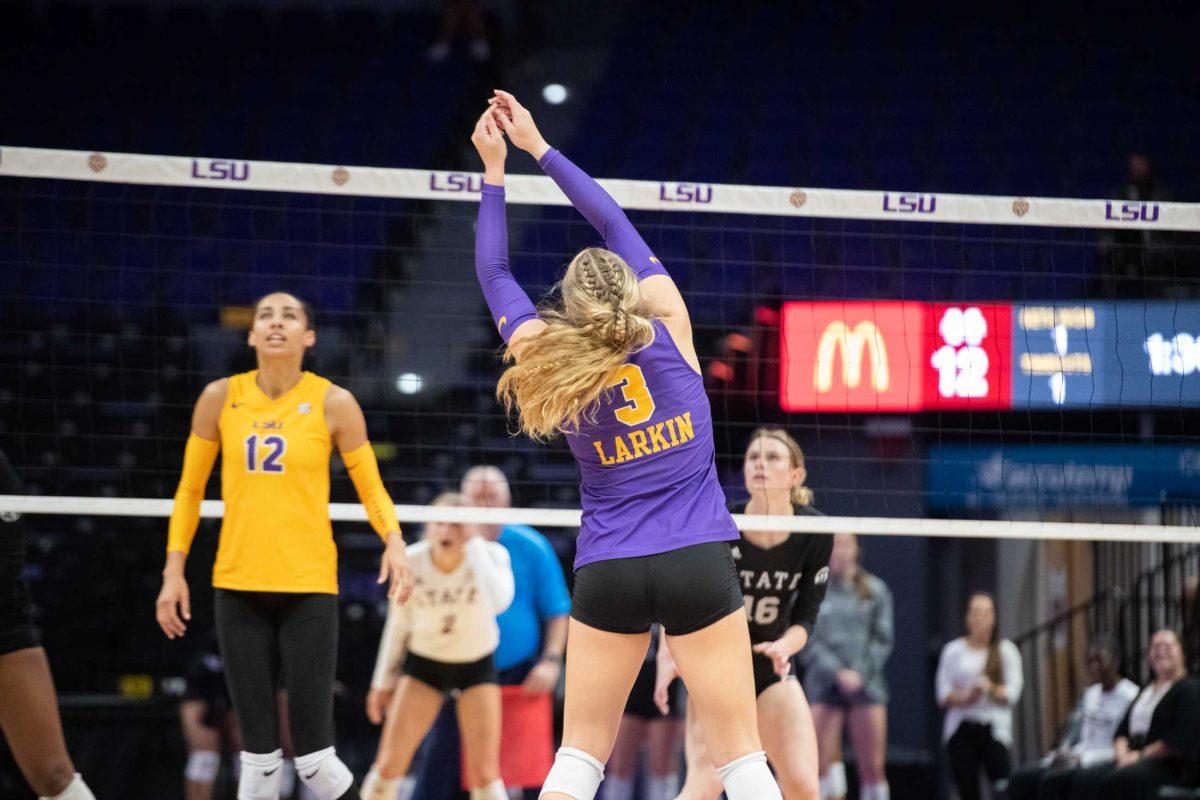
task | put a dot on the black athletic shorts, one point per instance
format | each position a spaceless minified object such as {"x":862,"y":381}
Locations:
{"x":765,"y":675}
{"x":16,"y":620}
{"x":447,"y":677}
{"x":685,"y":590}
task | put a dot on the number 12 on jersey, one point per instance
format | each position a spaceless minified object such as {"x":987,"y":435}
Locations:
{"x":271,"y":452}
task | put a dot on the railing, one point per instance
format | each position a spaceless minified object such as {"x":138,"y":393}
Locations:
{"x":1163,"y":596}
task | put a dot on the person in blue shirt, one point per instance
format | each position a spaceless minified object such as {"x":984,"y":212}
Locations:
{"x":533,"y":631}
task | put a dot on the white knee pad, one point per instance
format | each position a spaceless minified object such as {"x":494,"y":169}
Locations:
{"x":377,"y":788}
{"x":202,"y":766}
{"x":575,"y":774}
{"x":834,"y":783}
{"x":76,"y":790}
{"x":493,"y":791}
{"x":324,"y":774}
{"x":876,"y":791}
{"x":749,"y":778}
{"x":262,"y":776}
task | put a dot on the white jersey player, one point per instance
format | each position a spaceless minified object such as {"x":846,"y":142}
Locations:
{"x":441,"y":642}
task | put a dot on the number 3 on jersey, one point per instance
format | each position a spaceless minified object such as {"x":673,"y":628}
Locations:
{"x":272,"y":451}
{"x":635,"y":392}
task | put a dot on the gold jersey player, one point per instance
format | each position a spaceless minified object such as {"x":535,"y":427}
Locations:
{"x":275,"y":576}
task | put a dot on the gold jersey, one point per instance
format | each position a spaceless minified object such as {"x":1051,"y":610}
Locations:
{"x":276,"y":535}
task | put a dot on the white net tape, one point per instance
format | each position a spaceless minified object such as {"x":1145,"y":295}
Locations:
{"x":201,"y":172}
{"x":569,"y":518}
{"x":33,"y":162}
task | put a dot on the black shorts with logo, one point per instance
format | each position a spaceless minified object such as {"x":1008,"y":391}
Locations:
{"x":449,"y":677}
{"x":685,"y":590}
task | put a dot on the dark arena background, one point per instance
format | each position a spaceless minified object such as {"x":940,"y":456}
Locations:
{"x":953,"y":251}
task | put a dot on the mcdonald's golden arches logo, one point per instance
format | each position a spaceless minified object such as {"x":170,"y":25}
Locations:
{"x":859,"y":347}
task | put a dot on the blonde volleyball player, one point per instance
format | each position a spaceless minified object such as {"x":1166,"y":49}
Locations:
{"x":611,"y":365}
{"x":449,"y":631}
{"x":28,"y":705}
{"x":783,"y":579}
{"x":276,"y":569}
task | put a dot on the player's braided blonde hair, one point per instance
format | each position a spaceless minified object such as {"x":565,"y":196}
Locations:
{"x":560,"y":373}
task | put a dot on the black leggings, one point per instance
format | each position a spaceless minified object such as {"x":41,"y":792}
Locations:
{"x":970,"y":748}
{"x":273,"y":640}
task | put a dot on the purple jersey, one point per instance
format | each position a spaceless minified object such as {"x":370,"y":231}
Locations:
{"x":648,"y":475}
{"x":648,"y":472}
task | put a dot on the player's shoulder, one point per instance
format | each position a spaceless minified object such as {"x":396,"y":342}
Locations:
{"x":807,"y":510}
{"x":216,"y":390}
{"x":498,"y":550}
{"x":333,"y":392}
{"x":878,"y":586}
{"x":955,"y":647}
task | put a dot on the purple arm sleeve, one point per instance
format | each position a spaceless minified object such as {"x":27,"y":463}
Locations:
{"x":509,"y":304}
{"x":590,"y":199}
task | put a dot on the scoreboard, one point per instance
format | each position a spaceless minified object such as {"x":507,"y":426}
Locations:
{"x":898,"y":356}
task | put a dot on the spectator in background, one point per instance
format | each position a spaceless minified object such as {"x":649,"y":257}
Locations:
{"x":533,"y":631}
{"x":456,"y":14}
{"x":843,"y":673}
{"x":1138,"y":262}
{"x":209,"y":725}
{"x":645,"y":729}
{"x":979,"y":680}
{"x":1156,"y":743}
{"x":1090,"y":734}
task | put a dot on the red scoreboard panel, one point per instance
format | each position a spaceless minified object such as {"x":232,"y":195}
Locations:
{"x":895,"y":356}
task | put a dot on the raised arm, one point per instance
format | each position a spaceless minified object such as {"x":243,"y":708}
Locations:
{"x":660,"y":296}
{"x":513,"y":312}
{"x":493,"y":572}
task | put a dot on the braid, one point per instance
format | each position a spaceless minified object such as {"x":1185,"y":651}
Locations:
{"x":562,"y":372}
{"x":603,"y":279}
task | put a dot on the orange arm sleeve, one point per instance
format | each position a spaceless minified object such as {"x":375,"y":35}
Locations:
{"x":364,"y":472}
{"x":198,"y":458}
